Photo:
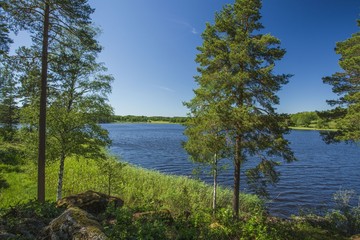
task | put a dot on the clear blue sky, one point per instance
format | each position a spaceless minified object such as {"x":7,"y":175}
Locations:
{"x":150,"y":47}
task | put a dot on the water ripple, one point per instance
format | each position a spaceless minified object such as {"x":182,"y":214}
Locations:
{"x":308,"y":183}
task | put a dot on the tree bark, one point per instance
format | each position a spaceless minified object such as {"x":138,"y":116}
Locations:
{"x":109,"y":184}
{"x":43,"y":97}
{"x":237,"y":167}
{"x":215,"y":183}
{"x":61,"y":177}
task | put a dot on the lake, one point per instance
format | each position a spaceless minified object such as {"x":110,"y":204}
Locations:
{"x":307,"y":184}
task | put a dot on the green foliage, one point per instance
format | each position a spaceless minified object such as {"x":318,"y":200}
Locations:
{"x":127,"y":228}
{"x":11,"y":153}
{"x":22,"y":188}
{"x":345,"y":218}
{"x":305,"y":119}
{"x":8,"y":100}
{"x":111,"y":168}
{"x":27,"y":220}
{"x":32,"y":209}
{"x":11,"y":156}
{"x":5,"y":40}
{"x":346,"y":85}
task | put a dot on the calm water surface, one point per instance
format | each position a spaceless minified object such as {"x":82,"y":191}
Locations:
{"x":308,"y":184}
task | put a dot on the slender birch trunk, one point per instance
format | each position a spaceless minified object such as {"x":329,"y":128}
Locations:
{"x":61,"y":177}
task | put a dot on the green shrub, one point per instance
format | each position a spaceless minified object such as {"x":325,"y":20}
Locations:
{"x":11,"y":153}
{"x":345,"y":218}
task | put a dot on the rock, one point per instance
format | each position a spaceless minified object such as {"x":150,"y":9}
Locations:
{"x":90,"y":201}
{"x":150,"y":216}
{"x":5,"y":236}
{"x":74,"y":223}
{"x":355,"y":237}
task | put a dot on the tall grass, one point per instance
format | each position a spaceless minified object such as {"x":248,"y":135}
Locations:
{"x":188,"y":200}
{"x":136,"y":186}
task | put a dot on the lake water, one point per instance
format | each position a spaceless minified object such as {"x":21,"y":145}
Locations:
{"x":307,"y":184}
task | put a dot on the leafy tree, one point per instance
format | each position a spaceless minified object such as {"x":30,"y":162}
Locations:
{"x":237,"y":83}
{"x":46,"y":20}
{"x":346,"y":85}
{"x":304,"y":119}
{"x":77,"y":100}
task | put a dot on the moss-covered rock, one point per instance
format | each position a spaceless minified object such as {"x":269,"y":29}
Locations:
{"x":90,"y":201}
{"x":74,"y":223}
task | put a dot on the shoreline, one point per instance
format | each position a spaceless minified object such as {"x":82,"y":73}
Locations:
{"x":313,"y":129}
{"x":166,"y":122}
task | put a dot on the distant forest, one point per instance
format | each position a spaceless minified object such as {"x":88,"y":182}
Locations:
{"x":313,"y":119}
{"x":132,"y":118}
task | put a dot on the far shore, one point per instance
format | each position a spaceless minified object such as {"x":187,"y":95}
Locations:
{"x":292,"y":128}
{"x":313,"y":129}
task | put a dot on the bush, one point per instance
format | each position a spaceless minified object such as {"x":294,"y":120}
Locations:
{"x":27,"y":220}
{"x":346,"y":217}
{"x":11,"y":154}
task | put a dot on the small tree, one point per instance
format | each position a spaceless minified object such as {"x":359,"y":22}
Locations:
{"x":206,"y":144}
{"x":111,"y":168}
{"x":346,"y":85}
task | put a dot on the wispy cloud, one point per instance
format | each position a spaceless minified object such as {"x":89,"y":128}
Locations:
{"x":187,"y":25}
{"x":165,"y":89}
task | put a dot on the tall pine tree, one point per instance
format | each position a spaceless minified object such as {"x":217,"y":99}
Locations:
{"x":346,"y":85}
{"x":236,"y":82}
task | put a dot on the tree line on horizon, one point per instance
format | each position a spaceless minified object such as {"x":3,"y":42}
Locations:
{"x":58,"y":92}
{"x":147,"y":119}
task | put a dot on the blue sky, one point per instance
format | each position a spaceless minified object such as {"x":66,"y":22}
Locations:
{"x":150,"y":47}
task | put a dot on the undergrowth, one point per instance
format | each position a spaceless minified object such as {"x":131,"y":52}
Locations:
{"x":187,"y":200}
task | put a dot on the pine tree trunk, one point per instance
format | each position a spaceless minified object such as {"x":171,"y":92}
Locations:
{"x":61,"y":177}
{"x":237,"y":166}
{"x":215,"y":183}
{"x":43,"y":96}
